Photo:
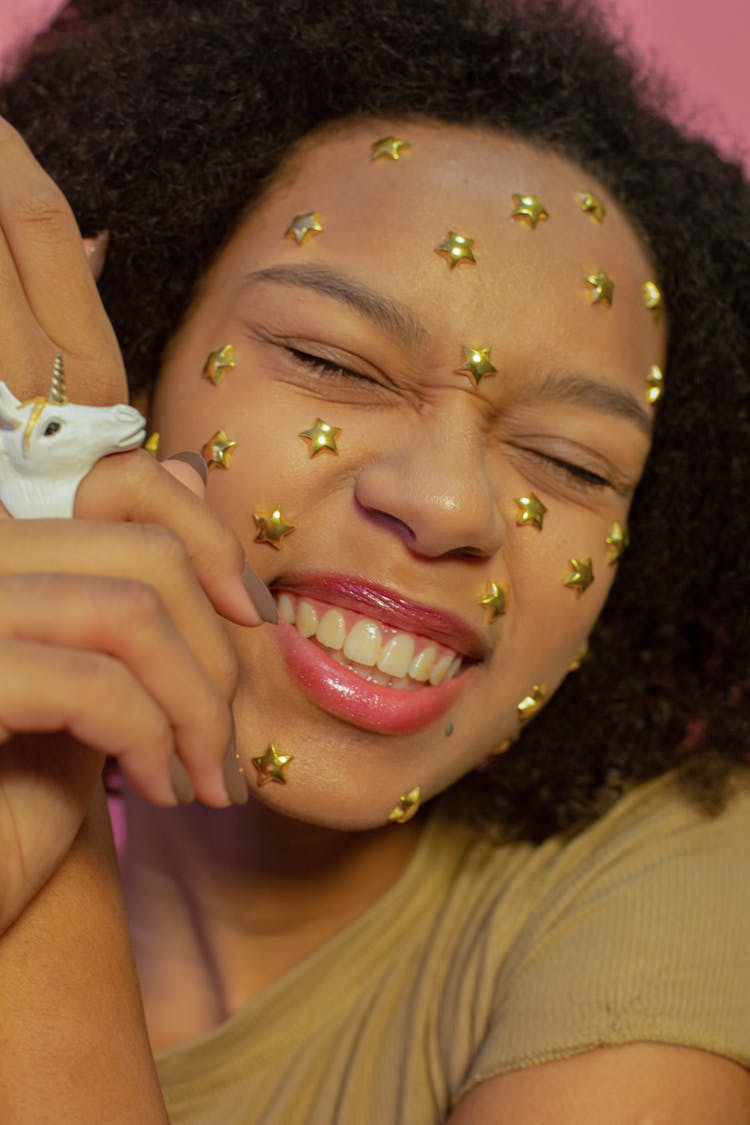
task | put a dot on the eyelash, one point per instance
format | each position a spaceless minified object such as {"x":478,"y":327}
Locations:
{"x":582,"y":477}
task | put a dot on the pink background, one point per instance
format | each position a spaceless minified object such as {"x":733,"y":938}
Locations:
{"x":700,"y":43}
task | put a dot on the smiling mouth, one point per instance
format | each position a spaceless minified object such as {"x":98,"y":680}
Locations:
{"x":376,"y":653}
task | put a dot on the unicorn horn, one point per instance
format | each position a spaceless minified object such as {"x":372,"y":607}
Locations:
{"x":57,"y":393}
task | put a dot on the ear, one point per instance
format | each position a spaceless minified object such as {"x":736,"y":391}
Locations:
{"x":9,"y":405}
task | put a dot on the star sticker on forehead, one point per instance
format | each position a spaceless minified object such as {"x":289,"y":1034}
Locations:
{"x":617,"y":541}
{"x":272,"y":527}
{"x":218,"y":450}
{"x":530,"y":511}
{"x":652,"y":299}
{"x":217,"y":363}
{"x":602,"y":288}
{"x":494,"y":600}
{"x":320,"y":437}
{"x":477,"y":364}
{"x":407,"y":806}
{"x":456,"y":248}
{"x":531,"y":703}
{"x":592,"y":206}
{"x":388,"y":147}
{"x":271,"y":765}
{"x":302,"y":226}
{"x":581,"y":576}
{"x":529,"y":209}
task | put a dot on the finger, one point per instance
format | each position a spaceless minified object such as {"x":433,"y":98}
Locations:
{"x":126,"y":621}
{"x":189,"y":469}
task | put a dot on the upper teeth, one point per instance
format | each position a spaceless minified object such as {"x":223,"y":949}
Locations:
{"x":398,"y":655}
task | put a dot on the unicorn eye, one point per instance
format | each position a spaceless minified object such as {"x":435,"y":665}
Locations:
{"x":51,"y":428}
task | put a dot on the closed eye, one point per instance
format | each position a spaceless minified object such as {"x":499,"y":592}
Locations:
{"x":582,"y":476}
{"x":327,"y":368}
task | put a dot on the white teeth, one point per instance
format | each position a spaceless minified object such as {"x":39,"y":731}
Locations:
{"x":286,"y":608}
{"x":421,"y":665}
{"x":440,"y":671}
{"x":455,"y":667}
{"x":307,"y":619}
{"x":363,"y":643}
{"x":396,"y":656}
{"x":332,"y":631}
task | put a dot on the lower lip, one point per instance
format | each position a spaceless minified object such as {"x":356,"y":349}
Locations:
{"x":342,"y":693}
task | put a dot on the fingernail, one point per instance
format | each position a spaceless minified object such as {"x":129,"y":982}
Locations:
{"x":180,"y":781}
{"x":95,"y":250}
{"x":260,"y":596}
{"x":235,"y":782}
{"x":194,"y":460}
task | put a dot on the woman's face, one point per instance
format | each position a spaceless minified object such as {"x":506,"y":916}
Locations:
{"x":437,"y":486}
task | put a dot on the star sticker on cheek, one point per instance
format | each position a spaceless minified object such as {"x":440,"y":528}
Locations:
{"x":456,"y":248}
{"x":581,"y":576}
{"x":151,"y":444}
{"x":655,"y":384}
{"x":652,"y":299}
{"x":302,"y":226}
{"x":592,"y":206}
{"x":272,"y":527}
{"x":477,"y":364}
{"x":218,"y":451}
{"x":389,"y":147}
{"x":602,"y":288}
{"x":531,"y":703}
{"x":271,"y":766}
{"x":529,"y":209}
{"x":217,"y":363}
{"x":530,"y":511}
{"x":321,"y":436}
{"x":617,"y":540}
{"x":495,"y":601}
{"x":407,"y":806}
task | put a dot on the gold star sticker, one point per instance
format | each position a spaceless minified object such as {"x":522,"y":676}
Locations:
{"x":407,"y":806}
{"x":602,"y":288}
{"x":389,"y":147}
{"x":531,"y":703}
{"x":456,"y":249}
{"x":581,"y":576}
{"x":617,"y":540}
{"x":477,"y":364}
{"x":321,"y":436}
{"x":217,"y":363}
{"x":271,"y":766}
{"x":529,"y":209}
{"x":303,"y":225}
{"x":592,"y":206}
{"x":152,"y":443}
{"x":652,"y":299}
{"x":530,"y":510}
{"x":655,"y":384}
{"x":506,"y":744}
{"x":272,"y":527}
{"x":218,"y":451}
{"x":494,"y":600}
{"x":579,"y":657}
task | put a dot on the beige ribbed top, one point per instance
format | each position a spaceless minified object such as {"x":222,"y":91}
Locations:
{"x":484,"y":959}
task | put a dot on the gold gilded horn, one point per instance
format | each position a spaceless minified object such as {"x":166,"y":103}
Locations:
{"x":57,"y":394}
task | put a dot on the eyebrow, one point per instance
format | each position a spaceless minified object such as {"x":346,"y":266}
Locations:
{"x":579,"y":389}
{"x":390,"y":315}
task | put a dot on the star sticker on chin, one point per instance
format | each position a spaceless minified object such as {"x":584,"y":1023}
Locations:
{"x":531,"y":703}
{"x":477,"y":364}
{"x":271,"y":765}
{"x":456,"y":248}
{"x":494,"y":600}
{"x":272,"y":527}
{"x":529,"y":209}
{"x":320,"y":437}
{"x":407,"y":806}
{"x":218,"y":451}
{"x":602,"y":288}
{"x":389,"y":147}
{"x":581,"y":576}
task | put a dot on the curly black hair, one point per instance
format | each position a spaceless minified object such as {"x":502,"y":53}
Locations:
{"x":127,"y":103}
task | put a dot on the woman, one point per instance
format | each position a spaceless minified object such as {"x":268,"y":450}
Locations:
{"x":449,"y":264}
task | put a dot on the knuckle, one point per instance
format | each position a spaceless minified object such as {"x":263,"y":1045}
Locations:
{"x":132,"y":602}
{"x":42,"y":208}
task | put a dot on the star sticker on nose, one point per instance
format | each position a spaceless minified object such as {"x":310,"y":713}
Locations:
{"x":592,"y":206}
{"x":617,"y":540}
{"x":602,"y":288}
{"x":477,"y":364}
{"x":529,"y":209}
{"x":494,"y":600}
{"x":581,"y":576}
{"x":271,"y":766}
{"x":530,"y":511}
{"x":456,"y":248}
{"x":407,"y":806}
{"x":321,"y":436}
{"x":531,"y":703}
{"x":272,"y":527}
{"x":218,"y":451}
{"x":652,"y":299}
{"x":217,"y":363}
{"x":389,"y":147}
{"x":302,"y":226}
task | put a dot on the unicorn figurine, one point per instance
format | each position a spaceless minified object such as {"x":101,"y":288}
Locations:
{"x":48,"y":445}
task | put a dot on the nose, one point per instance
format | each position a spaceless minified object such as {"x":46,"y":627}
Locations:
{"x":435,"y":491}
